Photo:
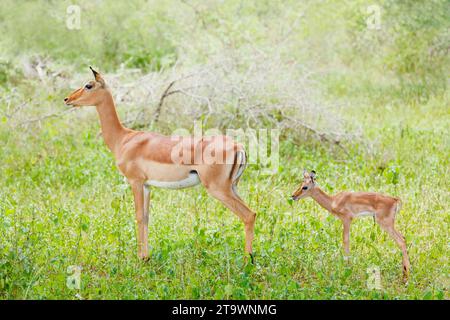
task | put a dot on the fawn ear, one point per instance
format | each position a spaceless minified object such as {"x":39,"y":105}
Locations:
{"x":305,"y":174}
{"x":312,"y":174}
{"x":97,"y":76}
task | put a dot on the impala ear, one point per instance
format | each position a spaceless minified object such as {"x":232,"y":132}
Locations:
{"x":97,"y":76}
{"x":305,"y":174}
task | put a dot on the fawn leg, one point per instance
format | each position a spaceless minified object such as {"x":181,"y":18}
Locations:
{"x":346,"y":237}
{"x":388,"y":226}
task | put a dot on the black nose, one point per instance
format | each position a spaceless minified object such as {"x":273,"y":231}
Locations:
{"x":65,"y":99}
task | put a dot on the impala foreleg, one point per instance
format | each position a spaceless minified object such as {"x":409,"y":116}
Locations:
{"x":141,"y":201}
{"x":346,"y":237}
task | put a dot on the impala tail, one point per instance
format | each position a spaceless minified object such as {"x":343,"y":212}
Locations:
{"x":238,"y":166}
{"x":398,"y":207}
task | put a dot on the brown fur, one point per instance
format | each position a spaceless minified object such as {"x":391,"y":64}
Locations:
{"x":143,"y":156}
{"x":347,"y":205}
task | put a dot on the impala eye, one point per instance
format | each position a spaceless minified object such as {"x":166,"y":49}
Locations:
{"x":88,"y":86}
{"x":305,"y":188}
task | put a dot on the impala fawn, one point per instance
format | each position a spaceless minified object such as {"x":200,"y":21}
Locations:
{"x":349,"y":205}
{"x":150,"y":159}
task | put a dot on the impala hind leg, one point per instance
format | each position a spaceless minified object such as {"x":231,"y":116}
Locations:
{"x":388,"y":226}
{"x":406,"y":264}
{"x":145,"y":253}
{"x":233,"y":202}
{"x":141,"y":203}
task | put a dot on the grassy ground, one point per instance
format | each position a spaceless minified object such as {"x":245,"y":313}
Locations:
{"x":63,"y":203}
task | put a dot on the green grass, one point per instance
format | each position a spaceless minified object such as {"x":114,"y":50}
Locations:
{"x":63,"y":202}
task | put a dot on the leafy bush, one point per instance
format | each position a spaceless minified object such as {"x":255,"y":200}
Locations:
{"x":302,"y":66}
{"x":112,"y":33}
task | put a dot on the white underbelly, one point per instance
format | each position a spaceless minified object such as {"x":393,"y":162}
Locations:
{"x":190,"y":181}
{"x":365,"y":214}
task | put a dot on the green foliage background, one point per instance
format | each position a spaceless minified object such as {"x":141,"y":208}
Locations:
{"x":62,"y":202}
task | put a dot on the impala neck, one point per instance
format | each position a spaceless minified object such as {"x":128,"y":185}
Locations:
{"x":112,"y":130}
{"x":322,"y":198}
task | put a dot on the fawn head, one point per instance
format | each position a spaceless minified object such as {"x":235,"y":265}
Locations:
{"x":307,"y":186}
{"x":91,"y":94}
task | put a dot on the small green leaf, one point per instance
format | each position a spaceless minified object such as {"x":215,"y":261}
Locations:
{"x":228,"y":290}
{"x":347,"y":273}
{"x":115,"y":204}
{"x":428,"y":295}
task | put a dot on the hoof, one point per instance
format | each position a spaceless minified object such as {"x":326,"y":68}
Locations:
{"x":405,"y":279}
{"x":252,"y":258}
{"x":405,"y":275}
{"x":144,"y":257}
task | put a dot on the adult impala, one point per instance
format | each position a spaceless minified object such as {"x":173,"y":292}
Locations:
{"x":150,"y":159}
{"x":349,"y":205}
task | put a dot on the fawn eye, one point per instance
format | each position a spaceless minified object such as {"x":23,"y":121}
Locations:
{"x":88,"y":86}
{"x":305,"y":188}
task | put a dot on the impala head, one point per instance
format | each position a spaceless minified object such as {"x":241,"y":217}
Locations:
{"x":91,"y":94}
{"x":307,"y":186}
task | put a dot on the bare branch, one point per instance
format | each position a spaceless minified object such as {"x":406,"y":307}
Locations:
{"x":42,"y":118}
